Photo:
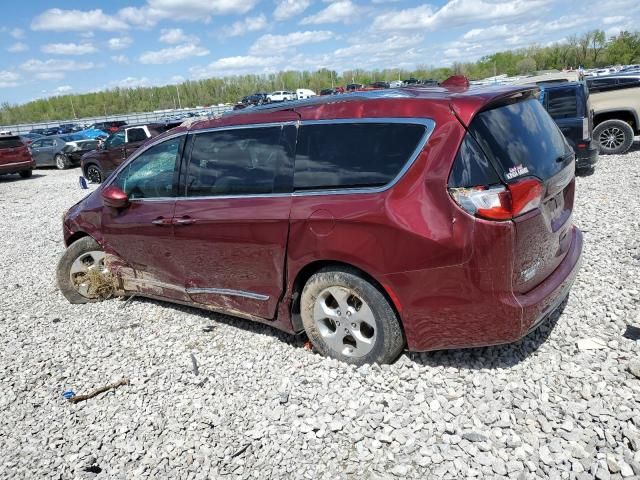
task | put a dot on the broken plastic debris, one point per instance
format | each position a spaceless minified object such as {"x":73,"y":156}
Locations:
{"x":68,"y":394}
{"x":591,"y":344}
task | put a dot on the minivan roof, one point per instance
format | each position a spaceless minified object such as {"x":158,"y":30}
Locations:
{"x":465,"y":102}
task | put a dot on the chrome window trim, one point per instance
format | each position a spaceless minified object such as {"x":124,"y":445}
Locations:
{"x":428,"y":123}
{"x":228,"y":292}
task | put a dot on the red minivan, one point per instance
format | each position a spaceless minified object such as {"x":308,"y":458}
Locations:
{"x":425,"y":218}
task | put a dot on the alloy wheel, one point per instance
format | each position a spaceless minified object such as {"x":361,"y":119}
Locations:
{"x":89,"y":275}
{"x":60,"y":162}
{"x":611,"y":138}
{"x":345,"y":321}
{"x":94,"y":174}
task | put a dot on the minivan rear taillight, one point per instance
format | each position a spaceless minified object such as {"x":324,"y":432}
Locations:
{"x":499,"y":202}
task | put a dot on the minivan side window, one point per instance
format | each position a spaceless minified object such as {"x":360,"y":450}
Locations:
{"x":151,"y":174}
{"x":244,"y":161}
{"x":351,"y":155}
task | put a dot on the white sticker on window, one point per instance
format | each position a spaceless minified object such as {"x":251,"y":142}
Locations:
{"x":517,"y":171}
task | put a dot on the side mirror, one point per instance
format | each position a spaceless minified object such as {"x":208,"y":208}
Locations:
{"x":114,"y":197}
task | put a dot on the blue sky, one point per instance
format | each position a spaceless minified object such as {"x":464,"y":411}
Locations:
{"x":49,"y":48}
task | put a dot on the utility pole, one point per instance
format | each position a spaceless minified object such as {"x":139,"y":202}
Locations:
{"x":179,"y":102}
{"x":72,"y":107}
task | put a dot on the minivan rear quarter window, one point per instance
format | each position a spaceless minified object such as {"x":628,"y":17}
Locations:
{"x":562,"y":102}
{"x":521,"y":139}
{"x":352,"y":155}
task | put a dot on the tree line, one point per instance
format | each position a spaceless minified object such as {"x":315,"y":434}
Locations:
{"x":592,"y":49}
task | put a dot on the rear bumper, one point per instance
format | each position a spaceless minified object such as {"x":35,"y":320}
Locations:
{"x":538,"y":304}
{"x":587,"y":156}
{"x":17,"y":167}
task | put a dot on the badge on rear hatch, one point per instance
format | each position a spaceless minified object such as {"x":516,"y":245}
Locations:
{"x":517,"y":171}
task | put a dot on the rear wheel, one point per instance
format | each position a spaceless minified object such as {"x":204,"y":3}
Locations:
{"x":349,"y":319}
{"x":613,"y":136}
{"x":82,"y":275}
{"x":62,"y":162}
{"x":26,"y":173}
{"x":93,"y":173}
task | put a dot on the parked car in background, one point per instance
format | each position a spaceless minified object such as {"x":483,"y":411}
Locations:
{"x":303,"y":93}
{"x":38,"y":131}
{"x":61,"y":151}
{"x":328,"y":91}
{"x":110,"y":126}
{"x":396,"y":84}
{"x":379,"y":85}
{"x":255,"y":99}
{"x":64,"y":128}
{"x":615,"y":100}
{"x":99,"y":163}
{"x":370,"y":224}
{"x":15,"y":156}
{"x":352,"y":87}
{"x":27,"y":138}
{"x":569,"y":106}
{"x":281,"y":96}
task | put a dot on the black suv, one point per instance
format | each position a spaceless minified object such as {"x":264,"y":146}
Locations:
{"x":568,"y":104}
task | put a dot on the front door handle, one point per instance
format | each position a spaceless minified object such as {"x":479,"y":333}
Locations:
{"x":184,"y":221}
{"x":162,"y":221}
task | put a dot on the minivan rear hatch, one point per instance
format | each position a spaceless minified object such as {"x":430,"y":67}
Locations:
{"x":534,"y":161}
{"x":12,"y":150}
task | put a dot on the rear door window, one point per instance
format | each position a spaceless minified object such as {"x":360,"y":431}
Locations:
{"x":136,"y":135}
{"x":521,"y":139}
{"x":244,"y":161}
{"x":562,"y":102}
{"x":352,"y":155}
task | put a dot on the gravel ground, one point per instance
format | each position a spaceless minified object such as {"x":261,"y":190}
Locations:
{"x":262,"y":406}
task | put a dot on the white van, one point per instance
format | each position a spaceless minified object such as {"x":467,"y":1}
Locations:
{"x":303,"y":93}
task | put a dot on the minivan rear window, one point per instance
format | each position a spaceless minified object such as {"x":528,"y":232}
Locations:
{"x":10,"y":142}
{"x":562,"y":102}
{"x":521,"y":139}
{"x":352,"y":155}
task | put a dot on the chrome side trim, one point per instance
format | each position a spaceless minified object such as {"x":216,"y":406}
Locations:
{"x":228,"y":292}
{"x":428,"y":123}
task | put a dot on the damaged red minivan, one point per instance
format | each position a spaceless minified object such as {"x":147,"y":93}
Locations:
{"x":425,"y":218}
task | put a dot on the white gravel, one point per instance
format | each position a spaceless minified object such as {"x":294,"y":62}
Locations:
{"x":264,"y":407}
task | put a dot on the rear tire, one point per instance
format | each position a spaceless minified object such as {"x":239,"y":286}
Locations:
{"x":93,"y":173}
{"x":349,"y":319}
{"x":26,"y":173}
{"x":614,"y":137}
{"x":62,"y":162}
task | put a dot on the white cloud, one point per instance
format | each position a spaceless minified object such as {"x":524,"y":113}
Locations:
{"x":49,"y":75}
{"x":237,"y":65}
{"x":18,"y":47}
{"x":54,"y":65}
{"x":69,"y":48}
{"x":63,"y":89}
{"x":9,"y":79}
{"x":130,"y":82}
{"x":156,"y":10}
{"x":176,"y":35}
{"x":121,"y":59}
{"x":342,"y":11}
{"x":17,"y":33}
{"x":277,"y":43}
{"x":457,"y":13}
{"x":58,"y":20}
{"x":249,"y":24}
{"x":177,"y":79}
{"x":173,"y":54}
{"x":290,"y":8}
{"x":119,"y":43}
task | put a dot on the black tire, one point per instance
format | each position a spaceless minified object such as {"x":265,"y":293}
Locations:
{"x":93,"y":173}
{"x":62,"y":162}
{"x":614,"y":137}
{"x":388,"y":341}
{"x":73,"y":252}
{"x":26,"y":173}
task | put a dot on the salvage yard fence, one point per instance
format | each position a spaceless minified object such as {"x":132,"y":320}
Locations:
{"x":130,"y":118}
